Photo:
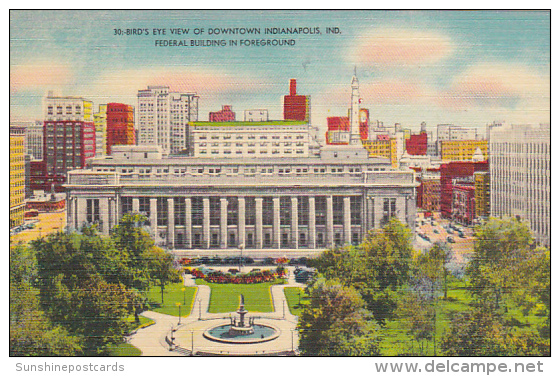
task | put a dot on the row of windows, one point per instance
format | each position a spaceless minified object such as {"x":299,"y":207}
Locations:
{"x":246,"y":170}
{"x":249,"y":137}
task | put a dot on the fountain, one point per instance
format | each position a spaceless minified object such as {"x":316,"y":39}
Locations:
{"x":242,"y":331}
{"x":239,"y":328}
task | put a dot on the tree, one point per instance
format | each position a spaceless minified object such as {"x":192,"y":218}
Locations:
{"x":501,"y":248}
{"x":418,"y":316}
{"x":433,"y":266}
{"x":335,"y":323}
{"x":377,"y":268}
{"x":73,"y":290}
{"x":160,"y":267}
{"x":31,"y":332}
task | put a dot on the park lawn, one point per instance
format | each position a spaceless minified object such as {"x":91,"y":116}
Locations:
{"x":293,"y":295}
{"x":124,"y":349}
{"x":144,"y":322}
{"x":172,"y":295}
{"x":226,"y":297}
{"x":397,"y":341}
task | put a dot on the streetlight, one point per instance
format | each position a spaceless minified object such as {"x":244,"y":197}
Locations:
{"x":299,"y":296}
{"x":200,"y":309}
{"x":192,"y":342}
{"x":179,"y":305}
{"x":183,"y":290}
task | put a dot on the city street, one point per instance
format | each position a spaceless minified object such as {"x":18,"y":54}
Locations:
{"x":45,"y":223}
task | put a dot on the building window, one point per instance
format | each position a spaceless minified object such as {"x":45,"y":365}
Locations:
{"x":162,"y":211}
{"x":321,"y":210}
{"x":180,"y":211}
{"x":232,"y":211}
{"x":197,"y":211}
{"x":215,"y":211}
{"x":92,"y":210}
{"x":126,"y":205}
{"x":338,"y":210}
{"x":250,"y":211}
{"x":285,"y":211}
{"x":267,"y":211}
{"x":303,"y":210}
{"x":356,"y":210}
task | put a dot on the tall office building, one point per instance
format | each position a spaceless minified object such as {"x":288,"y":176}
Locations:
{"x":100,"y":122}
{"x":120,"y":125}
{"x":69,"y":140}
{"x":520,"y":175}
{"x":163,"y":118}
{"x":17,"y":176}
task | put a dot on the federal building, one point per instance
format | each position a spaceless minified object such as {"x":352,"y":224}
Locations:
{"x":235,"y":191}
{"x":198,"y":203}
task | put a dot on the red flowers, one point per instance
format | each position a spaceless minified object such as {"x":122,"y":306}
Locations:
{"x":216,"y":276}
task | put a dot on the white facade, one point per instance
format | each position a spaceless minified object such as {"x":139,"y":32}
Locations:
{"x":163,"y":118}
{"x":33,"y":141}
{"x":250,"y":139}
{"x":100,"y":122}
{"x":520,"y":175}
{"x":255,"y":115}
{"x":274,"y":203}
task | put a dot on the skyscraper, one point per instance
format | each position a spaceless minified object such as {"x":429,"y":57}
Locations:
{"x":163,"y":118}
{"x":69,"y":139}
{"x":120,"y":125}
{"x":520,"y":175}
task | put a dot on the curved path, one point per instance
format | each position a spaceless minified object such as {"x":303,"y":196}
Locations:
{"x":152,"y":339}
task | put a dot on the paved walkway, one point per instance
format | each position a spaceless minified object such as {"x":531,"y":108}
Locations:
{"x":152,"y":339}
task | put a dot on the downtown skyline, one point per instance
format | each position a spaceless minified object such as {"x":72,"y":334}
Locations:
{"x":468,"y":68}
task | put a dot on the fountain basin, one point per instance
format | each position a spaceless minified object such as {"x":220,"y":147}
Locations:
{"x":229,"y":334}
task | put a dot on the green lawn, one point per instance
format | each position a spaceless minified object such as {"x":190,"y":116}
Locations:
{"x":124,"y":349}
{"x":172,"y":295}
{"x":226,"y":297}
{"x":295,"y":295}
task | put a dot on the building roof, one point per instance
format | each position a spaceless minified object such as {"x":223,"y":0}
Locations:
{"x":247,"y":123}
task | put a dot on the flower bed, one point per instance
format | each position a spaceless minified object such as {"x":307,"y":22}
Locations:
{"x":216,"y":276}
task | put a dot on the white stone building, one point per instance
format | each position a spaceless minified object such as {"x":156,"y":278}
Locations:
{"x":250,"y":139}
{"x":163,"y":118}
{"x":198,"y":203}
{"x":520,"y":175}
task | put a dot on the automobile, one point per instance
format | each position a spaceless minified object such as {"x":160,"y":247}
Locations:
{"x":215,"y":260}
{"x":204,"y":260}
{"x":450,"y":239}
{"x":268,"y":261}
{"x":229,"y":260}
{"x":293,"y":262}
{"x":450,"y":231}
{"x":248,"y":260}
{"x":427,"y":238}
{"x":436,"y":231}
{"x":461,"y":234}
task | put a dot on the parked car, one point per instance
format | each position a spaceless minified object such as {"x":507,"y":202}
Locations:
{"x":268,"y":261}
{"x":450,"y":239}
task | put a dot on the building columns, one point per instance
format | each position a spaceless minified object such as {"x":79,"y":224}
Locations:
{"x":347,"y":221}
{"x":170,"y":223}
{"x":153,"y":217}
{"x":104,"y":214}
{"x":258,"y":222}
{"x":223,"y":222}
{"x":330,"y":226}
{"x":241,"y":221}
{"x":295,"y":225}
{"x":312,"y":228}
{"x":188,"y":223}
{"x":205,"y":222}
{"x":276,"y":233}
{"x":135,"y":205}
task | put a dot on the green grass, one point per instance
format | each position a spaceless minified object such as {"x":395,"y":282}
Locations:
{"x":172,"y":295}
{"x":123,"y":349}
{"x":225,"y":297}
{"x":295,"y":295}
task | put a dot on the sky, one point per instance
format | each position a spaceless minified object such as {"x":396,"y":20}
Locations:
{"x":440,"y":67}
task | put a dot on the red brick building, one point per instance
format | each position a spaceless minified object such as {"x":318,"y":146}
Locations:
{"x":417,"y":144}
{"x":456,"y":173}
{"x":225,"y":114}
{"x":120,"y":125}
{"x":66,"y":146}
{"x":463,"y":204}
{"x":296,"y":107}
